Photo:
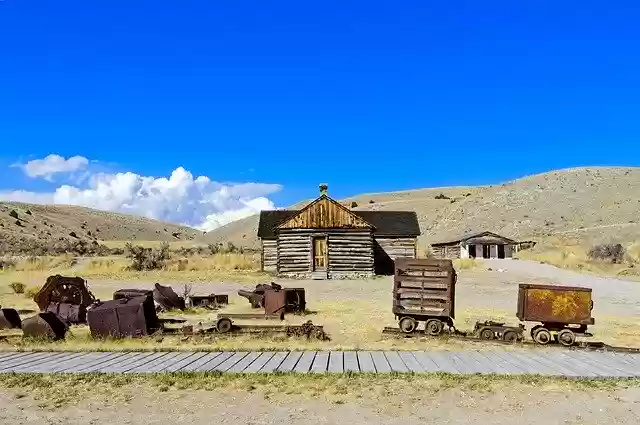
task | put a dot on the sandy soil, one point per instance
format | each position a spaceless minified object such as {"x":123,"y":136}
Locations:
{"x":522,"y":405}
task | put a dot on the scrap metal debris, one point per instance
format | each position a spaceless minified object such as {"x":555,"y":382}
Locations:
{"x":69,"y":313}
{"x":166,"y":298}
{"x":9,"y":319}
{"x":308,"y":330}
{"x":59,"y":290}
{"x":132,"y":293}
{"x":256,"y":297}
{"x":134,"y":317}
{"x":44,"y":325}
{"x":211,"y":301}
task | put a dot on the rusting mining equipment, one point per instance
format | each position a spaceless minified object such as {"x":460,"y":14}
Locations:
{"x":563,"y":312}
{"x":285,"y":300}
{"x":132,"y":293}
{"x":44,"y":325}
{"x":69,"y":313}
{"x":167,"y":299}
{"x":134,"y":317}
{"x":256,"y":297}
{"x":60,"y":293}
{"x":9,"y":319}
{"x":209,"y":301}
{"x":424,"y":291}
{"x":498,"y":330}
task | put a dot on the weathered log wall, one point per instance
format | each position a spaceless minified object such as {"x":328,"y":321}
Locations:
{"x":447,"y":251}
{"x":349,"y":252}
{"x":397,"y":247}
{"x":269,"y":255}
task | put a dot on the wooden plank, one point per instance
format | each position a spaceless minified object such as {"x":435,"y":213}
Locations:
{"x":244,"y":363}
{"x":7,"y":355}
{"x":426,"y":362}
{"x":465,"y":364}
{"x":184,"y":362}
{"x":380,"y":362}
{"x":320,"y":362}
{"x":514,"y":361}
{"x":165,"y":361}
{"x":350,"y":361}
{"x":568,"y":369}
{"x":365,"y":361}
{"x":258,"y":363}
{"x":608,"y":359}
{"x":305,"y":362}
{"x":274,"y":362}
{"x":198,"y":363}
{"x":231,"y":361}
{"x":336,"y":362}
{"x":290,"y":362}
{"x":443,"y":361}
{"x":536,"y":366}
{"x":144,"y":366}
{"x":215,"y":362}
{"x":139,"y":360}
{"x":590,"y":364}
{"x":580,"y":369}
{"x":501,"y":365}
{"x":395,"y":362}
{"x":44,"y":363}
{"x":108,"y":360}
{"x":410,"y":362}
{"x":31,"y":357}
{"x":77,"y":362}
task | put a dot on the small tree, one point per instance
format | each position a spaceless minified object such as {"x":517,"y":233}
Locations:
{"x":608,"y":252}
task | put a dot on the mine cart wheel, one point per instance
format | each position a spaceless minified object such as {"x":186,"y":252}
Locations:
{"x":434,"y":327}
{"x":223,"y":325}
{"x":566,"y":337}
{"x":510,"y":336}
{"x":542,"y":336}
{"x":487,"y":333}
{"x":408,"y":324}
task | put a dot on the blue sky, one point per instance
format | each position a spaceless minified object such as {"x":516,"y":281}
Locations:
{"x":365,"y":96}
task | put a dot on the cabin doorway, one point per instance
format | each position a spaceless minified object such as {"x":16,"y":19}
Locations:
{"x":320,"y":253}
{"x":500,"y":251}
{"x":486,"y":251}
{"x":472,"y":251}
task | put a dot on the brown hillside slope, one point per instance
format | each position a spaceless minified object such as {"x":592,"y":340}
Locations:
{"x":47,"y":223}
{"x":589,"y":204}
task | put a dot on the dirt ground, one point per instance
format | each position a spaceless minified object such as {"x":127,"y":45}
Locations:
{"x":524,"y":405}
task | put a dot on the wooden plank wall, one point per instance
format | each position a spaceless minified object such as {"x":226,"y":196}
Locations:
{"x":349,"y":252}
{"x":324,"y":213}
{"x":269,"y":255}
{"x":397,"y":247}
{"x":446,"y":251}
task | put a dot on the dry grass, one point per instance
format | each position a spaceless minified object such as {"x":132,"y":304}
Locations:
{"x":58,"y":390}
{"x":467,"y":263}
{"x":573,"y":255}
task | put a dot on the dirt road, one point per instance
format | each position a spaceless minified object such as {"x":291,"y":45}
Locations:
{"x":523,"y":405}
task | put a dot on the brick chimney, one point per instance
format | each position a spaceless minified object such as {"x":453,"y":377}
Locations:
{"x":323,"y":189}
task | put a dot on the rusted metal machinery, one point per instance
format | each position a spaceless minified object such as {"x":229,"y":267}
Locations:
{"x":132,"y":293}
{"x":166,"y":298}
{"x":498,"y":330}
{"x":285,"y":300}
{"x":44,"y":325}
{"x":60,"y":293}
{"x":563,"y":311}
{"x":225,"y":325}
{"x":424,"y":291}
{"x":69,"y":313}
{"x":256,"y":297}
{"x":134,"y":317}
{"x":210,"y":301}
{"x":9,"y":319}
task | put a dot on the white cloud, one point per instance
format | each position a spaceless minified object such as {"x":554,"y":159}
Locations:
{"x":180,"y":198}
{"x":53,"y":164}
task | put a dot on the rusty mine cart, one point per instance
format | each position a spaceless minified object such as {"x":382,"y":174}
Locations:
{"x":424,"y":291}
{"x":564,"y":312}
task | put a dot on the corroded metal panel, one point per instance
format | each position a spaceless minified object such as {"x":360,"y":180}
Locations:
{"x":555,"y":304}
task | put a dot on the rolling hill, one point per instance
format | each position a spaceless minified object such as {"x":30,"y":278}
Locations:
{"x":588,"y":204}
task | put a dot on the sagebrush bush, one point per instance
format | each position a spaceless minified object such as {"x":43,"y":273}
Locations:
{"x":607,"y":252}
{"x":17,"y":287}
{"x":31,"y":292}
{"x":147,"y":258}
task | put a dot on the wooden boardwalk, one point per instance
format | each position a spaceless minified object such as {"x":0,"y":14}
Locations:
{"x":565,"y":363}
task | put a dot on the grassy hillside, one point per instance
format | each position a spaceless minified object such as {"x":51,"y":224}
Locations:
{"x":585,"y":205}
{"x":48,"y":224}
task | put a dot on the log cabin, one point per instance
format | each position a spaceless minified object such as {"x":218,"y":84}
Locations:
{"x":327,"y":240}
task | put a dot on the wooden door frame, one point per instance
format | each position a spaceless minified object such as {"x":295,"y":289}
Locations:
{"x":312,"y":251}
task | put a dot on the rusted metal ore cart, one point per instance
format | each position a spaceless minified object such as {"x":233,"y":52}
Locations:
{"x":563,"y":312}
{"x":424,"y":291}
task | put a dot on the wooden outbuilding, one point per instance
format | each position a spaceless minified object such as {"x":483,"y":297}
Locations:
{"x":325,"y":239}
{"x":478,"y":245}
